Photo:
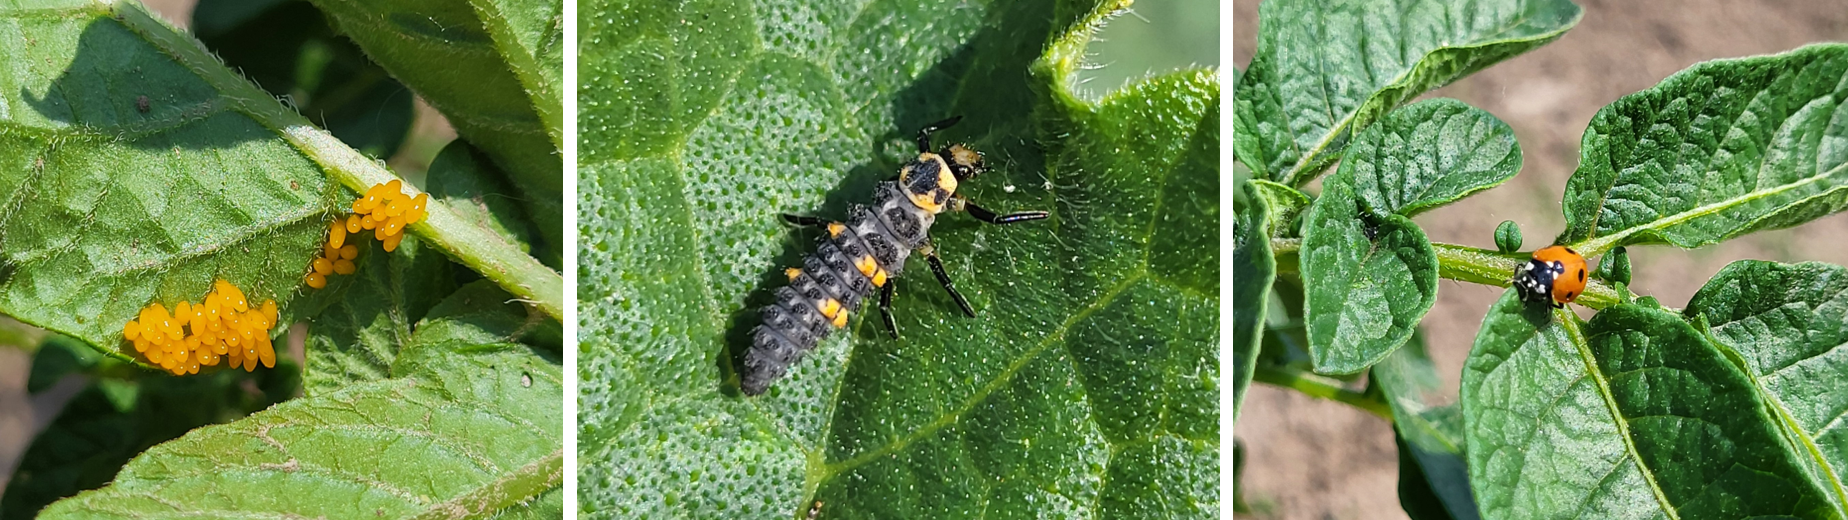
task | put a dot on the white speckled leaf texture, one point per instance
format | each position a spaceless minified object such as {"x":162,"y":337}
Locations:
{"x":1087,"y":385}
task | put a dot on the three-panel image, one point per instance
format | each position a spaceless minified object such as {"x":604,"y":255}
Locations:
{"x":923,"y":259}
{"x":613,"y":259}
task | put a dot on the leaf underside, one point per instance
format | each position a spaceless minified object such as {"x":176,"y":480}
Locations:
{"x":110,"y":207}
{"x":494,"y":68}
{"x":1253,"y":269}
{"x":1095,"y":331}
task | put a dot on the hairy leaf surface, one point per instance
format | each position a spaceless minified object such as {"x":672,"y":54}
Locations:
{"x":1785,"y":324}
{"x":1096,"y":329}
{"x":1634,"y":414}
{"x":494,"y":68}
{"x":1368,"y":279}
{"x":1252,"y":272}
{"x":486,"y":418}
{"x":1429,"y":154}
{"x":110,"y":207}
{"x":1715,"y":151}
{"x":1325,"y":71}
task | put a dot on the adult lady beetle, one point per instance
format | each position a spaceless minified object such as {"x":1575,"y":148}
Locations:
{"x":864,"y":254}
{"x":1556,"y":275}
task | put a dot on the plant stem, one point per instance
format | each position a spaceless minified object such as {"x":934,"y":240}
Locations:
{"x":470,"y":245}
{"x":1465,"y":264}
{"x":1323,"y":387}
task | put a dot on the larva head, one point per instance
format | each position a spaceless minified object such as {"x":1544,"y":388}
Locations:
{"x":928,"y":182}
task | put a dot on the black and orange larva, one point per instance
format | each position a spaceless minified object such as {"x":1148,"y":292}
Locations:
{"x":865,"y":253}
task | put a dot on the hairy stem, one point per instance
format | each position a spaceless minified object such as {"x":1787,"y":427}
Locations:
{"x":1465,"y":264}
{"x":1323,"y":387}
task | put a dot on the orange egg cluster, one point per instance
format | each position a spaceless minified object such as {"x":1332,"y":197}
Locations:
{"x":224,"y":327}
{"x":336,"y":256}
{"x":385,"y":210}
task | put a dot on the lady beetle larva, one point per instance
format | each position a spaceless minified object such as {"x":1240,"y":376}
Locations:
{"x":865,"y":253}
{"x":1555,"y":275}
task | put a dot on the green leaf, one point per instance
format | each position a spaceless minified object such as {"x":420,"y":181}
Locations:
{"x":288,"y":49}
{"x":482,"y":313}
{"x":1783,"y":324}
{"x":112,"y":207}
{"x":1369,"y":280}
{"x":112,"y":419}
{"x":1720,"y":149}
{"x":1284,"y":205}
{"x":1429,"y":154}
{"x":701,"y":126}
{"x":1253,"y":269}
{"x":470,"y":184}
{"x":1325,"y":71}
{"x":1508,"y":237}
{"x":1428,"y":428}
{"x":1634,"y":414}
{"x":486,"y":418}
{"x":494,"y":68}
{"x":369,"y":314}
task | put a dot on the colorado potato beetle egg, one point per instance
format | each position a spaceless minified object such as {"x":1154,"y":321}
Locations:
{"x":222,"y":327}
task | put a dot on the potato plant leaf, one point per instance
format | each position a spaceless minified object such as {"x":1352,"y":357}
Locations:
{"x":1368,"y":278}
{"x":1325,"y":71}
{"x":469,"y":183}
{"x":1720,"y":149}
{"x":113,"y":206}
{"x":1253,"y":269}
{"x":1634,"y":414}
{"x":1282,"y":205}
{"x":1784,"y":323}
{"x":494,"y":68}
{"x":369,"y":314}
{"x":1429,"y":154}
{"x":1428,"y":428}
{"x":1096,"y":331}
{"x":112,"y":419}
{"x":285,"y":47}
{"x":485,"y":417}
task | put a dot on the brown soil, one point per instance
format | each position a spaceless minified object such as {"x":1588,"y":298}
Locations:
{"x":1312,"y":459}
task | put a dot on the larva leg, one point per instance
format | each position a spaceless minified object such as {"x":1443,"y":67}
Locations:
{"x":885,"y":309}
{"x":924,"y":133}
{"x":943,"y":277}
{"x":805,"y":220}
{"x":990,"y":217}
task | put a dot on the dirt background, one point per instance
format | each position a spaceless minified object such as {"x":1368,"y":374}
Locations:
{"x":1314,"y":459}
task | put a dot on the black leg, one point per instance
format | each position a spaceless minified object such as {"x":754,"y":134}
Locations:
{"x":805,"y":220}
{"x":990,"y":217}
{"x":924,"y":133}
{"x":885,"y":308}
{"x":943,"y":277}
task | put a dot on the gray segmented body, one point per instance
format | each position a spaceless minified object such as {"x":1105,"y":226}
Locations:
{"x":882,"y":235}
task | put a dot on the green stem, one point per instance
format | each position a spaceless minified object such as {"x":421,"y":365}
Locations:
{"x":1465,"y":264}
{"x":1323,"y":387}
{"x":479,"y":249}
